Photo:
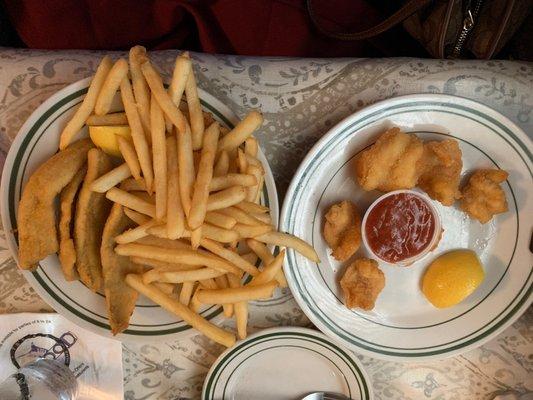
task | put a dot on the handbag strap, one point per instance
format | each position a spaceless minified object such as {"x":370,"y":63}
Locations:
{"x":408,"y":9}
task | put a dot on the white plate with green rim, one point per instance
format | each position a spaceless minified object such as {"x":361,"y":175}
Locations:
{"x":285,"y":364}
{"x":404,"y":325}
{"x":36,"y":141}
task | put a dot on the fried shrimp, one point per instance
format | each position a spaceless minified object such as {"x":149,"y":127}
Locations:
{"x":361,"y":284}
{"x":342,"y":230}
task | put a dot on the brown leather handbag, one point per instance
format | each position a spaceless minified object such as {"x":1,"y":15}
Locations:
{"x":450,"y":28}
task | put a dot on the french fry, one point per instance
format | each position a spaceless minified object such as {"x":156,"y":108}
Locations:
{"x":250,"y":231}
{"x":196,"y":236}
{"x":131,"y":235}
{"x":175,"y":214}
{"x":222,"y":283}
{"x":165,"y":102}
{"x":226,"y":198}
{"x":229,"y":180}
{"x":133,"y":185}
{"x":182,"y":69}
{"x":149,"y":198}
{"x":195,"y":112}
{"x":229,"y":255}
{"x":240,"y":216}
{"x":234,"y":295}
{"x":270,"y":271}
{"x":130,"y":156}
{"x":178,"y":256}
{"x":168,"y":303}
{"x":113,"y":119}
{"x":110,"y":86}
{"x":241,"y":132}
{"x":163,"y":266}
{"x":264,"y":218}
{"x":251,"y":147}
{"x":251,"y":192}
{"x":156,"y":275}
{"x":259,"y":189}
{"x":186,"y":168}
{"x":137,"y":133}
{"x":140,"y":88}
{"x":267,"y":258}
{"x":159,"y":156}
{"x":112,"y":178}
{"x":186,"y":293}
{"x":250,"y":160}
{"x":194,"y":304}
{"x":87,"y":106}
{"x":222,"y":164}
{"x":165,"y":243}
{"x":221,"y":235}
{"x":251,"y":207}
{"x":136,"y":217}
{"x":131,"y":201}
{"x":288,"y":240}
{"x":167,"y":288}
{"x":205,"y":173}
{"x":240,"y":309}
{"x":251,"y":257}
{"x":220,"y":220}
{"x":242,"y":162}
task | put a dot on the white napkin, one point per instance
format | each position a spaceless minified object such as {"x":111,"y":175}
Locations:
{"x":96,"y":361}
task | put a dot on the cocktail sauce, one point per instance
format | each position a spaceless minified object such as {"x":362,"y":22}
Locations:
{"x":399,"y":227}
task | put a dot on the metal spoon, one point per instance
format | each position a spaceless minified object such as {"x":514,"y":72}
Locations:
{"x":325,"y":396}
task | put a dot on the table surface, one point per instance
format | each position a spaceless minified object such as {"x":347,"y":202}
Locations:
{"x":300,"y":99}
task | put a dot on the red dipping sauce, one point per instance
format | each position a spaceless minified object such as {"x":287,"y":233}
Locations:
{"x":400,"y":226}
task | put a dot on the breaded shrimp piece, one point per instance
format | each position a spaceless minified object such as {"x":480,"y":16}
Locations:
{"x":361,"y":284}
{"x":442,"y":171}
{"x":483,"y":196}
{"x":392,"y":163}
{"x":342,"y":230}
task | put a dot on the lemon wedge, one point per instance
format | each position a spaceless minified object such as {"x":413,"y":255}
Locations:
{"x":104,"y":137}
{"x":452,"y":277}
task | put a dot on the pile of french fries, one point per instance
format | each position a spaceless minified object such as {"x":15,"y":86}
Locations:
{"x":193,"y":189}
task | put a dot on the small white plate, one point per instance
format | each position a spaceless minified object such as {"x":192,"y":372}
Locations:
{"x":404,"y":325}
{"x":36,"y":141}
{"x":285,"y":364}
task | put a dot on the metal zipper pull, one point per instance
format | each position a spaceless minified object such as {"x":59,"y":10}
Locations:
{"x":468,"y":25}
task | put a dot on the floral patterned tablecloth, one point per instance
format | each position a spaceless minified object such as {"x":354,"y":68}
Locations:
{"x":300,"y":99}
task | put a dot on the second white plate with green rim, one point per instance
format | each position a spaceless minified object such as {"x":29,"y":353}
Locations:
{"x":404,"y":325}
{"x":285,"y":364}
{"x":36,"y":141}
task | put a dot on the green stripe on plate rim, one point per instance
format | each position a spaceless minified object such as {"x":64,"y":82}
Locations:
{"x":359,"y":124}
{"x":12,"y":214}
{"x":471,"y":308}
{"x":238,"y":349}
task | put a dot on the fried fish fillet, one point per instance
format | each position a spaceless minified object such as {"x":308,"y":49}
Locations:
{"x":342,"y":230}
{"x":67,"y":252}
{"x":92,"y":210}
{"x":120,"y":297}
{"x":36,"y":219}
{"x":442,"y":171}
{"x":483,"y":196}
{"x":361,"y":284}
{"x":392,"y":163}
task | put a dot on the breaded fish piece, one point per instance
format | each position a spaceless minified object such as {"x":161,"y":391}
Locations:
{"x":442,"y":171}
{"x":120,"y":297}
{"x":392,"y":163}
{"x":67,"y":252}
{"x":36,"y":217}
{"x":483,"y":196}
{"x":92,"y":210}
{"x":342,"y":230}
{"x":361,"y":284}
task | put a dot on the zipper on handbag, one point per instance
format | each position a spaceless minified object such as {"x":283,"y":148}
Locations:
{"x":469,"y":21}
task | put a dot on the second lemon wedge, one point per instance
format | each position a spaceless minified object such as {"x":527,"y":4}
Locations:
{"x":452,"y":277}
{"x":104,"y":137}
